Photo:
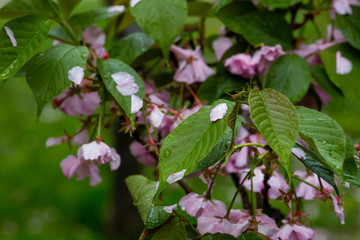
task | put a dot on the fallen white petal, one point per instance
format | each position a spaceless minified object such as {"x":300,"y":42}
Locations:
{"x":76,"y":75}
{"x":11,"y":36}
{"x":174,"y":177}
{"x":170,"y":209}
{"x":126,"y":84}
{"x":343,"y":65}
{"x":157,"y":186}
{"x":156,"y":117}
{"x":116,"y":9}
{"x":136,"y":104}
{"x":134,"y":2}
{"x":218,"y":112}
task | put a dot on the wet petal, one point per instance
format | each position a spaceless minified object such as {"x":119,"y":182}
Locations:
{"x":343,"y":65}
{"x":76,"y":75}
{"x":116,"y":9}
{"x":170,"y":209}
{"x":136,"y":104}
{"x":176,"y":176}
{"x":11,"y":36}
{"x":126,"y":84}
{"x":218,"y":112}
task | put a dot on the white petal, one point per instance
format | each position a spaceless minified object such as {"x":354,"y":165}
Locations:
{"x":157,"y":186}
{"x":343,"y":65}
{"x":126,"y":84}
{"x":11,"y":36}
{"x":170,"y":209}
{"x":116,"y":9}
{"x":218,"y":112}
{"x":136,"y":104}
{"x":134,"y":2}
{"x":76,"y":75}
{"x":176,"y":176}
{"x":156,"y":117}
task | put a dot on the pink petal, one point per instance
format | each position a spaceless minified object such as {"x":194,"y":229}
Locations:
{"x":11,"y":36}
{"x":115,"y":160}
{"x":56,"y":141}
{"x":136,"y":104}
{"x":342,"y":7}
{"x":339,"y":209}
{"x":76,"y":75}
{"x":94,"y":151}
{"x":343,"y":65}
{"x":142,"y":154}
{"x":81,"y":138}
{"x":69,"y":166}
{"x":174,"y":177}
{"x":241,"y":65}
{"x":218,"y":112}
{"x":116,"y":9}
{"x":156,"y":117}
{"x":126,"y":84}
{"x":94,"y":36}
{"x":170,"y":209}
{"x":221,"y":45}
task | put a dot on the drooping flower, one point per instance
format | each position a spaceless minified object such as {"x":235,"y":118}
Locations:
{"x":100,"y":153}
{"x":126,"y":84}
{"x":218,"y":112}
{"x":295,"y":232}
{"x":241,"y":65}
{"x":76,"y":75}
{"x":338,"y":208}
{"x":308,"y":192}
{"x":72,"y":165}
{"x":192,"y":67}
{"x":136,"y":104}
{"x":343,"y":65}
{"x":174,"y":177}
{"x":263,"y":57}
{"x":221,"y":45}
{"x":11,"y":36}
{"x":142,"y":154}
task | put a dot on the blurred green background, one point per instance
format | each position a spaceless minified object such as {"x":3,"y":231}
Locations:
{"x":38,"y":202}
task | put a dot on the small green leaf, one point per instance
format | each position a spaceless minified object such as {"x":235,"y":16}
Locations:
{"x":156,"y":217}
{"x":142,"y":191}
{"x":316,"y":164}
{"x":349,"y":24}
{"x":130,"y":47}
{"x":174,"y":229}
{"x":18,"y":8}
{"x":289,"y":75}
{"x":348,"y":83}
{"x":47,"y":72}
{"x":111,"y":66}
{"x":276,"y":119}
{"x":162,"y":20}
{"x":351,"y":171}
{"x":323,"y":134}
{"x":29,"y":31}
{"x":67,"y":6}
{"x":253,"y":236}
{"x":218,"y":236}
{"x":190,"y":142}
{"x":273,"y":4}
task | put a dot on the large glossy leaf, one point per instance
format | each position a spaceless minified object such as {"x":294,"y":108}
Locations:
{"x":190,"y":142}
{"x":349,"y":24}
{"x":67,"y":6}
{"x":276,"y":119}
{"x":315,"y":163}
{"x":18,"y":8}
{"x":272,"y":4}
{"x":142,"y":191}
{"x":130,"y":47}
{"x":174,"y":229}
{"x":157,"y":216}
{"x":29,"y":32}
{"x":47,"y":72}
{"x":162,"y":20}
{"x":348,"y":83}
{"x":323,"y":134}
{"x":111,"y":66}
{"x":351,"y":171}
{"x":289,"y":75}
{"x":264,"y":27}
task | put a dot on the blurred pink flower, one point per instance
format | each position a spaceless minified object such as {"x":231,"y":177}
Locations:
{"x":308,"y":192}
{"x":96,"y":38}
{"x":142,"y":154}
{"x":52,"y":141}
{"x":265,"y":56}
{"x":338,"y":207}
{"x":81,"y":138}
{"x":343,"y":65}
{"x":295,"y":232}
{"x":221,"y":45}
{"x":241,"y":65}
{"x":342,"y":7}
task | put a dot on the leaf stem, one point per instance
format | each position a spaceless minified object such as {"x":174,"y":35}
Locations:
{"x":248,"y":144}
{"x":69,"y":31}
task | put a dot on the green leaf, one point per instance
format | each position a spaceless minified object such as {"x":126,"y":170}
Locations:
{"x":253,"y":236}
{"x":142,"y":191}
{"x":174,"y":229}
{"x":201,"y":9}
{"x":349,"y":25}
{"x":218,"y":236}
{"x":130,"y":47}
{"x":273,"y":4}
{"x":351,"y":171}
{"x":348,"y":83}
{"x":162,"y":20}
{"x":320,"y":76}
{"x":18,"y":8}
{"x":264,"y":27}
{"x":47,"y":72}
{"x":111,"y":66}
{"x":29,"y":31}
{"x":323,"y":134}
{"x":289,"y":75}
{"x":218,"y":84}
{"x":276,"y":119}
{"x":316,"y":164}
{"x":156,"y":217}
{"x":191,"y":141}
{"x":67,"y":6}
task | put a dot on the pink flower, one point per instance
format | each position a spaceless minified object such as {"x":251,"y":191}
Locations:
{"x":81,"y":138}
{"x":241,"y":65}
{"x":323,"y":95}
{"x":142,"y":154}
{"x":215,"y":224}
{"x":100,"y":153}
{"x":192,"y":67}
{"x":126,"y":84}
{"x":72,"y":165}
{"x":218,"y":112}
{"x":11,"y":36}
{"x":136,"y":104}
{"x":221,"y":45}
{"x":343,"y":65}
{"x":338,"y":207}
{"x":342,"y":7}
{"x":295,"y":232}
{"x":96,"y":38}
{"x":74,"y":104}
{"x":76,"y":75}
{"x":52,"y":141}
{"x":166,"y":125}
{"x":308,"y":192}
{"x":265,"y":56}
